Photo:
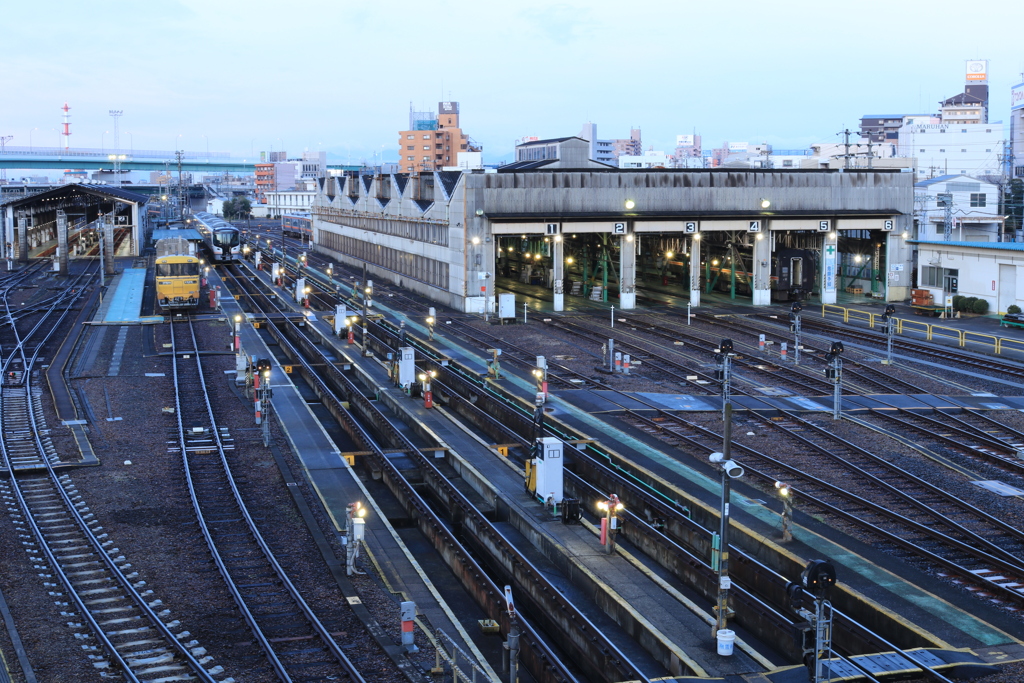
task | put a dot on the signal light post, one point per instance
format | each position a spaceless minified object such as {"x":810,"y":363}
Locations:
{"x":724,"y":358}
{"x":890,"y":330}
{"x":794,"y":326}
{"x":834,"y":372}
{"x":609,"y":523}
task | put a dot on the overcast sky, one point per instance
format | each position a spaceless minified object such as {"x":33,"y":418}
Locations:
{"x":340,"y":75}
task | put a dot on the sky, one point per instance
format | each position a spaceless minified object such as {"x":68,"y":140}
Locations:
{"x":339,"y":75}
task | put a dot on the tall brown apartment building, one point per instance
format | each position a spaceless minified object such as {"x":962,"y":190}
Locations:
{"x":433,"y":142}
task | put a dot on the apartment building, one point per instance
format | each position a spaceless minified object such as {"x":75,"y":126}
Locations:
{"x":433,"y":141}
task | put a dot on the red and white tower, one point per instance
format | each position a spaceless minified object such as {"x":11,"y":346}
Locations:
{"x":66,"y":132}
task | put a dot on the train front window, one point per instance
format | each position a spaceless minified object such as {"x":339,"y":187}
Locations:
{"x":226,"y":238}
{"x":177,"y":269}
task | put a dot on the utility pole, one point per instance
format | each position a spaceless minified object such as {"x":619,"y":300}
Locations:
{"x":846,"y":157}
{"x":179,"y":154}
{"x":767,"y":154}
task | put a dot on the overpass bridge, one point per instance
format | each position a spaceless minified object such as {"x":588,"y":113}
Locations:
{"x":129,"y":160}
{"x":28,"y":158}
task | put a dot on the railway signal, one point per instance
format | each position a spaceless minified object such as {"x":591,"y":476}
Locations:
{"x":815,"y":636}
{"x":890,"y":330}
{"x":238,"y":333}
{"x":794,"y":327}
{"x":834,"y":372}
{"x":431,"y":319}
{"x":724,"y":358}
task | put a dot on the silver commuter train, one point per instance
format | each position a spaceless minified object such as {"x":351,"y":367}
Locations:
{"x":223,"y":240}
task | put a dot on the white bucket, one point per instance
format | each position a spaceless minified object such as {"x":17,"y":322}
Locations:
{"x":726,"y":638}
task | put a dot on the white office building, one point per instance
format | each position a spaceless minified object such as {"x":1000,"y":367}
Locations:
{"x":941,"y":149}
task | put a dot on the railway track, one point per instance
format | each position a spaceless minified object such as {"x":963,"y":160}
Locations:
{"x":604,"y":662}
{"x":126,"y":633}
{"x":295,"y":643}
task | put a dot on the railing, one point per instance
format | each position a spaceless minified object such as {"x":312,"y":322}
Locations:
{"x":103,"y":152}
{"x":448,"y":651}
{"x":930,"y":331}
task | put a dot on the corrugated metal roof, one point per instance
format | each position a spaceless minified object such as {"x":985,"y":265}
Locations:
{"x":1000,"y":246}
{"x":80,"y":188}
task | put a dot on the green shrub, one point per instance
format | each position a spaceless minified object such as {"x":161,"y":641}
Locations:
{"x":980,"y":306}
{"x":957,"y":299}
{"x":1013,"y":309}
{"x":967,"y":304}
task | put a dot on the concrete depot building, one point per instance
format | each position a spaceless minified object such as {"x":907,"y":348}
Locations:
{"x":450,"y":235}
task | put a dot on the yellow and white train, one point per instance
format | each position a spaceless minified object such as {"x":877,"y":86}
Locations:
{"x":177,"y":274}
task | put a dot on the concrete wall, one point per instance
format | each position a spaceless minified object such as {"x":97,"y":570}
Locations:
{"x":994,"y":273}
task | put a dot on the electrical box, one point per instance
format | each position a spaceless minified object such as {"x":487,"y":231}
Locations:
{"x":506,"y":306}
{"x":406,"y":366}
{"x":275,"y":271}
{"x":358,"y":529}
{"x":340,"y":313}
{"x":300,"y":286}
{"x":549,"y":470}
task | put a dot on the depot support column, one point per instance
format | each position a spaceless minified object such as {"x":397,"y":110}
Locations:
{"x":695,"y":270}
{"x":762,"y":293}
{"x":558,"y":268}
{"x":829,"y":259}
{"x":108,"y":243}
{"x":23,"y":221}
{"x":62,"y":242}
{"x":627,"y":271}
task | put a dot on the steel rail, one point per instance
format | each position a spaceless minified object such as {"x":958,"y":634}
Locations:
{"x":265,"y":643}
{"x":126,"y":663}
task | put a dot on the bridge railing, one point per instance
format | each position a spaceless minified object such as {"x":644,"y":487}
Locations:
{"x":36,"y":151}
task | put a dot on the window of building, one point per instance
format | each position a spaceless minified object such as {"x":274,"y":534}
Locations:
{"x":942,"y":130}
{"x":935,"y":277}
{"x":963,"y":130}
{"x":786,"y":163}
{"x":412,"y":147}
{"x":410,"y":158}
{"x":988,"y":130}
{"x":988,"y":150}
{"x":978,"y":199}
{"x":426,"y":136}
{"x":410,"y":137}
{"x":426,"y":148}
{"x":963,"y":150}
{"x":922,"y":151}
{"x":942,"y":150}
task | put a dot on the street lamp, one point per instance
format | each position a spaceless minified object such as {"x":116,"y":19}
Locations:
{"x":609,"y":524}
{"x":355,"y":528}
{"x":786,"y":496}
{"x":428,"y":395}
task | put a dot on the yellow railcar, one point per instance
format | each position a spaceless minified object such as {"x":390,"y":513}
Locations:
{"x":177,"y":274}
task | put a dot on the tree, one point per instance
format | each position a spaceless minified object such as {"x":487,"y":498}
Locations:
{"x":229,"y":209}
{"x":243,"y":207}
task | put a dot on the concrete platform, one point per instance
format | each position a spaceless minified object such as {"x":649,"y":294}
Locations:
{"x":877,"y":577}
{"x":123,"y":301}
{"x":337,"y":485}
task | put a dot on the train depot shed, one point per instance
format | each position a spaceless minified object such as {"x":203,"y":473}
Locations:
{"x":68,"y":216}
{"x":611,"y":235}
